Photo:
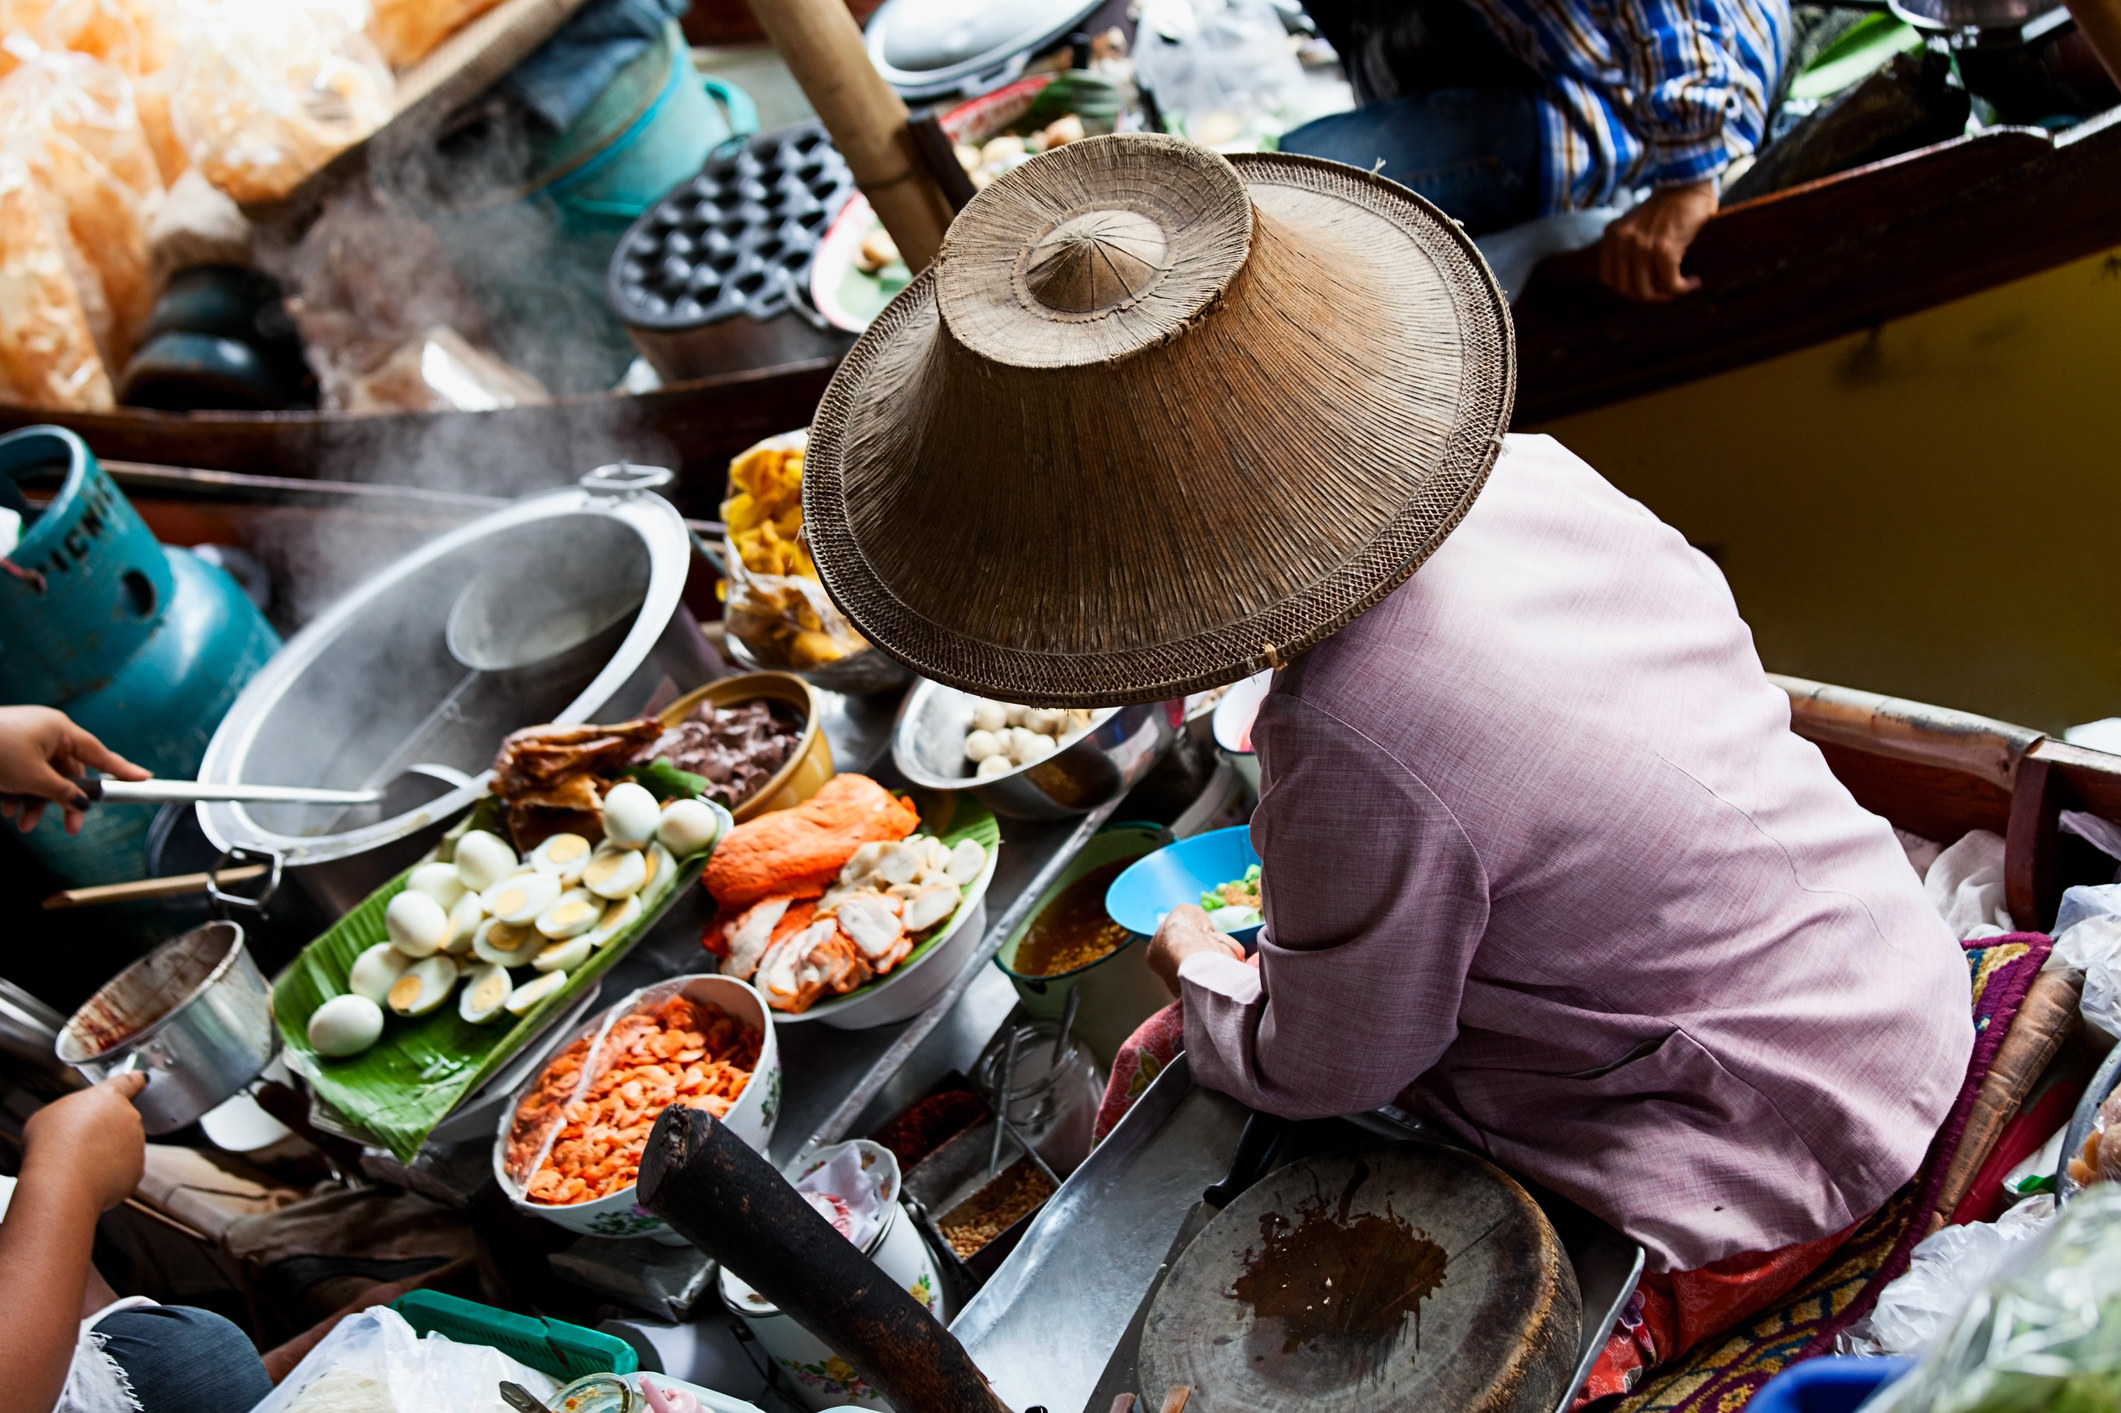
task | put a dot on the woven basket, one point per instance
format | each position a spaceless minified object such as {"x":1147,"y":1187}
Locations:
{"x":1154,"y":421}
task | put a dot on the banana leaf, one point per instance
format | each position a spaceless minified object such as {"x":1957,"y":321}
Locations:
{"x":400,"y":1088}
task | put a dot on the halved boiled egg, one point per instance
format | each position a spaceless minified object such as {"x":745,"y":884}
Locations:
{"x":483,"y":859}
{"x":424,"y":987}
{"x":563,"y":956}
{"x":658,"y":868}
{"x":464,"y":920}
{"x":376,"y":970}
{"x":506,"y":944}
{"x":485,"y":995}
{"x":562,"y":855}
{"x":618,"y":916}
{"x":525,"y":997}
{"x":615,"y":873}
{"x":416,"y":923}
{"x":577,"y":911}
{"x":521,"y":898}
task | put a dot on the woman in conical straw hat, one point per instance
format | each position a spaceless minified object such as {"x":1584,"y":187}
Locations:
{"x":1542,"y":858}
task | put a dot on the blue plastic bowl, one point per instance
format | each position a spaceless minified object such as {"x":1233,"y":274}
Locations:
{"x":1180,"y":873}
{"x":1836,"y":1384}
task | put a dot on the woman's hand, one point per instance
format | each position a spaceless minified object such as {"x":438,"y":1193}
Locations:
{"x":39,"y":748}
{"x":1641,"y":251}
{"x":1185,"y":931}
{"x":89,"y":1142}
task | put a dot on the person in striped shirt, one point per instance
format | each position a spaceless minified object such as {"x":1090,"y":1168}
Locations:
{"x":1500,"y":111}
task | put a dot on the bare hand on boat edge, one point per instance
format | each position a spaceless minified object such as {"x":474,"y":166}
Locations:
{"x":1641,"y":253}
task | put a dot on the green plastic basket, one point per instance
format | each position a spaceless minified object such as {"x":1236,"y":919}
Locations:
{"x":566,"y":1352}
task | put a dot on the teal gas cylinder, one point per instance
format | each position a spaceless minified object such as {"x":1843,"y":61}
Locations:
{"x":141,"y":643}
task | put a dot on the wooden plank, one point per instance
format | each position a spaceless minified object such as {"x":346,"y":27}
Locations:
{"x":692,"y":427}
{"x":2040,"y":861}
{"x":1826,"y":259}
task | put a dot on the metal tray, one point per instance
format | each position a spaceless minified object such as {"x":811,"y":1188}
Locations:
{"x":1053,"y":1317}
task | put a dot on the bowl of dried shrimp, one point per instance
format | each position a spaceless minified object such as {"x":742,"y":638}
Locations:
{"x":571,"y":1138}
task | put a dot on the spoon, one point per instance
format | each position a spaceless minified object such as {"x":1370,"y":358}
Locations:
{"x":521,"y":1399}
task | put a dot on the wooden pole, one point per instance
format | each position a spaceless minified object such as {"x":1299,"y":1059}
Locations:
{"x":2100,"y":20}
{"x":720,"y":1195}
{"x":822,"y":46}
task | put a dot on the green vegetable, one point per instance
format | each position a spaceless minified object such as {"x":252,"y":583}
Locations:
{"x":665,"y":781}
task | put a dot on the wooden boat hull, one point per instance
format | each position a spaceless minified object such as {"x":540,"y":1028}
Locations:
{"x":692,"y":427}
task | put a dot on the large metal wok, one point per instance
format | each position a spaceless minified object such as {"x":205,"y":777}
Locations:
{"x":561,"y":607}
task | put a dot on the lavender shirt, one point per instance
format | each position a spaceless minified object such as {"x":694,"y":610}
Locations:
{"x":1542,"y":852}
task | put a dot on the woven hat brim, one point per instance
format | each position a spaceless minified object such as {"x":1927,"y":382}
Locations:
{"x":877,"y":371}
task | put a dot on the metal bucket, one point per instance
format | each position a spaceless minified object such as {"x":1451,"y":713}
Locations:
{"x":198,"y":1050}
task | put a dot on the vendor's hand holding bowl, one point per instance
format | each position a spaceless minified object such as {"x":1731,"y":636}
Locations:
{"x":1184,"y":931}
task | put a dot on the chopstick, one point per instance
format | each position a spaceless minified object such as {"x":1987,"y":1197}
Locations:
{"x":170,"y":886}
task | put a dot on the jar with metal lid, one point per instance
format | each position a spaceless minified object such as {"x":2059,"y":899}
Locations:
{"x":1054,"y":1090}
{"x":598,"y":1393}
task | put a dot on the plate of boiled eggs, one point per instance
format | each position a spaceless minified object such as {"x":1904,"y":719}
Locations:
{"x":499,"y":932}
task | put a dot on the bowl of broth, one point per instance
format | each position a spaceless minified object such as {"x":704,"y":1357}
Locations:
{"x":1069,"y":942}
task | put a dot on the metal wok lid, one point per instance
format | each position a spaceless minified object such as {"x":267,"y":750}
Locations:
{"x":370,"y":687}
{"x":927,"y":48}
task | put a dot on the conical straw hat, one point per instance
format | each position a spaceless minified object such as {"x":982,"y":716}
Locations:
{"x":1155,"y":420}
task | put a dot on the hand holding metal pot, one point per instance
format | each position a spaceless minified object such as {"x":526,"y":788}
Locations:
{"x":89,"y":1143}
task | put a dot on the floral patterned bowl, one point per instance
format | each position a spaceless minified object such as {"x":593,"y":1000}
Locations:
{"x":751,"y":1118}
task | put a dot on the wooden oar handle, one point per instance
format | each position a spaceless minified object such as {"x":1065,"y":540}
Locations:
{"x":717,"y":1192}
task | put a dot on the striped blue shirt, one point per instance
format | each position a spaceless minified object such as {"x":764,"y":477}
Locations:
{"x":1643,"y":92}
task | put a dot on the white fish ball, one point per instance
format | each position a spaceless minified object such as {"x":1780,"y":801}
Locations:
{"x":996,"y":764}
{"x":989,"y":716}
{"x":980,"y":745}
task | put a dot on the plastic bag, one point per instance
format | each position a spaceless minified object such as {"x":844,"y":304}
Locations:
{"x":48,"y":357}
{"x":407,"y":31}
{"x":373,"y":1362}
{"x":777,"y":606}
{"x":2093,"y":946}
{"x":1945,"y":1269}
{"x":71,"y":119}
{"x":267,"y":91}
{"x":1222,"y":71}
{"x":2044,"y":1333}
{"x":1965,"y":885}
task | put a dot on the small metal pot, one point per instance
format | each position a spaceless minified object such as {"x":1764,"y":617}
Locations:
{"x":195,"y":1015}
{"x":928,"y":746}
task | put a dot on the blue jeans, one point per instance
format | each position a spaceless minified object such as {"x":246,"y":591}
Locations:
{"x":1472,"y":151}
{"x":182,"y":1360}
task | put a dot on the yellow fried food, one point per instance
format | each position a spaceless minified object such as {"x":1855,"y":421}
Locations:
{"x":766,"y":512}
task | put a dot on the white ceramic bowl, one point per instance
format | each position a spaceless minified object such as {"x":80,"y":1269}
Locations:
{"x":821,"y":1378}
{"x":751,"y":1118}
{"x":913,"y":987}
{"x":1234,"y":716}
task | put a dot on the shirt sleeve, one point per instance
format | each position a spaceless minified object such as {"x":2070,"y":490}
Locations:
{"x":1375,"y":904}
{"x":1688,"y":84}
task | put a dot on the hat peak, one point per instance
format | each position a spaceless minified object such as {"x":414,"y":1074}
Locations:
{"x":1095,"y":261}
